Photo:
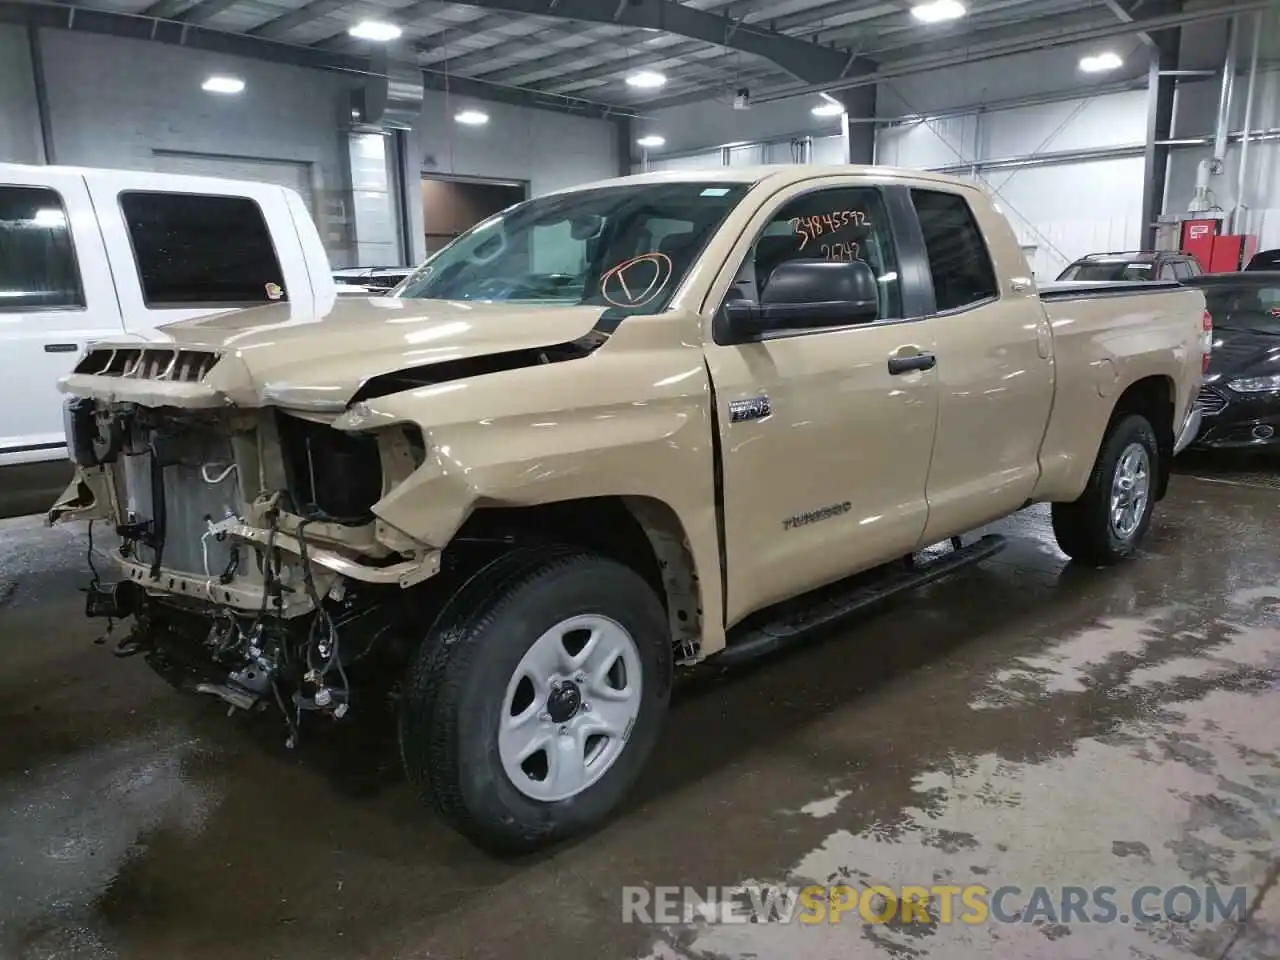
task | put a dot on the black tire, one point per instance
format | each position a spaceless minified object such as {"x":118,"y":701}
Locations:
{"x":1083,"y":528}
{"x":453,"y":695}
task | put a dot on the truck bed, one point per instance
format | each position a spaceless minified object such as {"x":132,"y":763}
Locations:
{"x":1088,"y":289}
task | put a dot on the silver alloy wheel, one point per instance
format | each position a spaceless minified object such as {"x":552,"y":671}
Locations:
{"x":1130,"y":488}
{"x":570,"y":707}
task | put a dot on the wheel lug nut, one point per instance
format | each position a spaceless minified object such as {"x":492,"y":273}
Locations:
{"x":564,"y":729}
{"x":580,"y":677}
{"x":586,"y":707}
{"x":544,"y":716}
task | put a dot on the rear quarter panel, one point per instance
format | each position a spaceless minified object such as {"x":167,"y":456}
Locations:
{"x":1102,"y":345}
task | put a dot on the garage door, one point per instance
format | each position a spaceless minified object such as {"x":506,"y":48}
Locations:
{"x":284,"y":173}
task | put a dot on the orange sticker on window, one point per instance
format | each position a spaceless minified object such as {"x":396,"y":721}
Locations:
{"x":636,"y":282}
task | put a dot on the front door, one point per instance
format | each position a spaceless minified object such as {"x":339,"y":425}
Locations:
{"x":56,"y":295}
{"x":825,"y":451}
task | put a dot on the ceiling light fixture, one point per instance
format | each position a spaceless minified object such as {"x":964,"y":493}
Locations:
{"x":472,"y":118}
{"x":1101,"y":63}
{"x":938,"y":11}
{"x":646,"y":80}
{"x":375,"y":30}
{"x":219,"y":84}
{"x":652,"y":140}
{"x":828,"y":110}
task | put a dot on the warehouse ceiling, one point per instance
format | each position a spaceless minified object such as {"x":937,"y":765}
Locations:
{"x":584,"y":51}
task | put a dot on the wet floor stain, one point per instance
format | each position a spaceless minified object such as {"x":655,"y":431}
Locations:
{"x":1025,"y":724}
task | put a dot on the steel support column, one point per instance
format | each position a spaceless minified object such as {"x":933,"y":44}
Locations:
{"x":1160,"y":91}
{"x":859,"y":123}
{"x":624,"y":130}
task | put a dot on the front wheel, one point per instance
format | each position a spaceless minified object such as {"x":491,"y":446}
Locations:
{"x":538,"y":698}
{"x":1109,"y":521}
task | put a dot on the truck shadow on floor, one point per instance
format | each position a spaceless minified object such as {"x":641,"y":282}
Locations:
{"x":748,"y":706}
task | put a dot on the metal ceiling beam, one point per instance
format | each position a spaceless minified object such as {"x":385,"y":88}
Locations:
{"x":801,"y":58}
{"x":475,"y":63}
{"x":522,"y":97}
{"x":1125,"y":14}
{"x":278,"y":27}
{"x":971,"y":53}
{"x":133,"y":26}
{"x":205,"y":10}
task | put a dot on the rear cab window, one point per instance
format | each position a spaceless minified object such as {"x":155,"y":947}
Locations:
{"x":959,"y":262}
{"x":195,"y":250}
{"x":38,"y":269}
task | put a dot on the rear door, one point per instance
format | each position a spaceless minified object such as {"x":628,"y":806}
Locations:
{"x":995,"y":366}
{"x":825,"y":452}
{"x":55,"y":296}
{"x":188,"y":247}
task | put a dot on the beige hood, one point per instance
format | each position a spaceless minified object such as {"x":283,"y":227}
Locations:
{"x":277,"y":355}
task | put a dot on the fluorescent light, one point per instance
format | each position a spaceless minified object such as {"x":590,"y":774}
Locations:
{"x":216,"y":84}
{"x":827,"y":110}
{"x":472,"y":118}
{"x":1101,"y":62}
{"x":652,"y":140}
{"x":375,"y":30}
{"x":646,"y":80}
{"x":49,"y":217}
{"x":938,"y":11}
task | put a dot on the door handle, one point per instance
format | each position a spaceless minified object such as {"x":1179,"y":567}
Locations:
{"x":61,"y":347}
{"x":921,"y":361}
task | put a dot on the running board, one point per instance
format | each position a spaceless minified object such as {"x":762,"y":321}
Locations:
{"x":796,"y":624}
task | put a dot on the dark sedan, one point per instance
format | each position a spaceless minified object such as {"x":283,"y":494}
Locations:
{"x":1241,"y":395}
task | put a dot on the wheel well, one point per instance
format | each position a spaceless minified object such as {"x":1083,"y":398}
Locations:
{"x":639,"y":532}
{"x":1152,"y":397}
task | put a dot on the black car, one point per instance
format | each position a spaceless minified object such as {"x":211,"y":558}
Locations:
{"x":1265,"y":260}
{"x":1240,"y":400}
{"x":1134,"y":266}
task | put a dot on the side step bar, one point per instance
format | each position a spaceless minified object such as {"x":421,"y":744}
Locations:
{"x":796,"y":624}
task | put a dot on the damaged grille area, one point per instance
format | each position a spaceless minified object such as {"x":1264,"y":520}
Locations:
{"x":332,"y":475}
{"x":149,"y":363}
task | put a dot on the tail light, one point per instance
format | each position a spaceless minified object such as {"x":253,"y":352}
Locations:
{"x":1206,"y":342}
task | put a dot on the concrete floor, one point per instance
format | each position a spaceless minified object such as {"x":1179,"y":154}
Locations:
{"x":1023,"y":723}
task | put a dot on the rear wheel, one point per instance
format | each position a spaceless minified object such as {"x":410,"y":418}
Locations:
{"x":537,"y":698}
{"x":1109,"y":521}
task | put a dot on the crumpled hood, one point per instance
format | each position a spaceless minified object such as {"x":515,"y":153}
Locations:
{"x":278,"y":355}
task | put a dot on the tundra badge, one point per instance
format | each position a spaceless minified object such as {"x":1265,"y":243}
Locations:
{"x":753,"y":408}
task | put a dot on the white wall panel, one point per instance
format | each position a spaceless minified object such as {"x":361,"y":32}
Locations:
{"x":549,"y":150}
{"x":135,"y":104}
{"x":922,"y":145}
{"x":19,"y":117}
{"x":1069,"y":210}
{"x":712,"y":123}
{"x":698,"y":161}
{"x":1113,"y":119}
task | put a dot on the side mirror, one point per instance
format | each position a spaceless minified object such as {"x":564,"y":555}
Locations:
{"x":803,"y":294}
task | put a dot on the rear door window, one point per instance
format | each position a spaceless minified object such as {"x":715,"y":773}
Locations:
{"x":192,"y":250}
{"x":38,"y":269}
{"x":959,"y":262}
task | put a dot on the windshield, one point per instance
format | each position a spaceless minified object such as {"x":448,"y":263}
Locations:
{"x":627,"y":247}
{"x":1244,"y":308}
{"x":1112,"y":272}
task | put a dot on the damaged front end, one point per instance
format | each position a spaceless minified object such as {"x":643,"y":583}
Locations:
{"x":245,"y":543}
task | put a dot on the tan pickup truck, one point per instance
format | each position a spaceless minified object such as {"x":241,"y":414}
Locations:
{"x":605,"y":435}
